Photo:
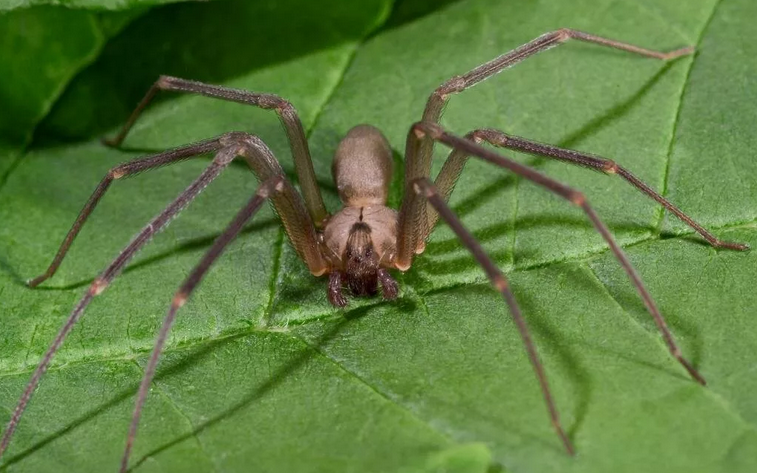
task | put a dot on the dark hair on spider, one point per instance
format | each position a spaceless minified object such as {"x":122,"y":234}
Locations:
{"x":360,"y":261}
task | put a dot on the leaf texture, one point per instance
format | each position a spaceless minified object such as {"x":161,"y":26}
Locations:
{"x":261,"y":374}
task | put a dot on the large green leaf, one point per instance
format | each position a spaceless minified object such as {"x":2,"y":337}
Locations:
{"x":82,"y":4}
{"x":42,"y":49}
{"x":260,"y":374}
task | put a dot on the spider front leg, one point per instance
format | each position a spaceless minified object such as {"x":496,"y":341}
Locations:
{"x":116,"y":173}
{"x":423,"y":187}
{"x":285,"y":110}
{"x":427,"y":131}
{"x":286,"y":200}
{"x":411,"y":231}
{"x":222,"y":159}
{"x":272,"y":186}
{"x":421,"y":166}
{"x":453,"y":166}
{"x":261,"y":161}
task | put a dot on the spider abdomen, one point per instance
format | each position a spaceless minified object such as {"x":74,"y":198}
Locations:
{"x":362,"y":167}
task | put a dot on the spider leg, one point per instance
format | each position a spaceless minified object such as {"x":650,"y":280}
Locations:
{"x":118,"y":172}
{"x":438,"y":99}
{"x":286,"y":200}
{"x":420,"y":191}
{"x":288,"y":203}
{"x":445,"y":180}
{"x":409,"y":232}
{"x":271,"y":186}
{"x":219,"y":163}
{"x":285,"y":110}
{"x":425,"y":188}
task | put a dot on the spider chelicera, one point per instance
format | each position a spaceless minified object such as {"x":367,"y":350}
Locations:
{"x":359,"y":245}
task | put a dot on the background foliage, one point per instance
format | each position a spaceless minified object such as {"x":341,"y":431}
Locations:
{"x":260,"y":373}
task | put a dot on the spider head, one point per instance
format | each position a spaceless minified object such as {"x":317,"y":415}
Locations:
{"x":361,"y":263}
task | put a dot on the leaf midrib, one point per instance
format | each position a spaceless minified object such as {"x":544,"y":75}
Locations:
{"x":578,"y":259}
{"x":677,"y":119}
{"x":191,"y":343}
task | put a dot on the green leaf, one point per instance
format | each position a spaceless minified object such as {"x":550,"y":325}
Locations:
{"x":89,"y":4}
{"x":261,"y":374}
{"x":42,"y":49}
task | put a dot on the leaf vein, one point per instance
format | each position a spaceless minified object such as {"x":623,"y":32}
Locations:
{"x":198,"y":341}
{"x":677,"y":119}
{"x":373,"y":388}
{"x":58,"y":92}
{"x":181,"y":413}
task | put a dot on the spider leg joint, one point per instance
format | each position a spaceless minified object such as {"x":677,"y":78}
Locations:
{"x":452,"y":86}
{"x":476,"y":136}
{"x":179,"y":299}
{"x":421,"y":129}
{"x":495,"y":137}
{"x":564,"y":34}
{"x":234,"y":138}
{"x":117,"y":173}
{"x":276,"y":184}
{"x":164,"y":82}
{"x":421,"y":186}
{"x":286,"y":108}
{"x":500,"y":283}
{"x":98,"y":286}
{"x":610,"y":167}
{"x":577,"y":198}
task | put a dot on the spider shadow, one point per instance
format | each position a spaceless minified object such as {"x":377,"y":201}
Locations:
{"x":7,"y":268}
{"x":566,"y":354}
{"x":567,"y":358}
{"x":623,"y":294}
{"x":589,"y":129}
{"x":613,"y":114}
{"x":692,"y":238}
{"x":567,"y":351}
{"x":628,"y":299}
{"x":273,"y":381}
{"x":125,"y":394}
{"x":495,"y":189}
{"x":192,"y":358}
{"x":328,"y":190}
{"x":283,"y":28}
{"x":495,"y":231}
{"x":188,"y":246}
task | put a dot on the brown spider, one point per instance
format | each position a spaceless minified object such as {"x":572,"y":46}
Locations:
{"x":358,"y":245}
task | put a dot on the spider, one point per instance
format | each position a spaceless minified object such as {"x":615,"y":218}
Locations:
{"x":359,"y":245}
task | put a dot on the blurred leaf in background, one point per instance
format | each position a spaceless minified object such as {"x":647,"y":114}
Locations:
{"x":94,"y":5}
{"x":260,"y":373}
{"x":42,"y":48}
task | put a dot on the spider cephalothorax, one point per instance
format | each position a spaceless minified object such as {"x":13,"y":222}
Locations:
{"x":360,"y":243}
{"x":361,"y":239}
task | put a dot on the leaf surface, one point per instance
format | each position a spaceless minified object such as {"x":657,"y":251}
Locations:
{"x":42,"y":49}
{"x":261,"y":374}
{"x":124,"y":5}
